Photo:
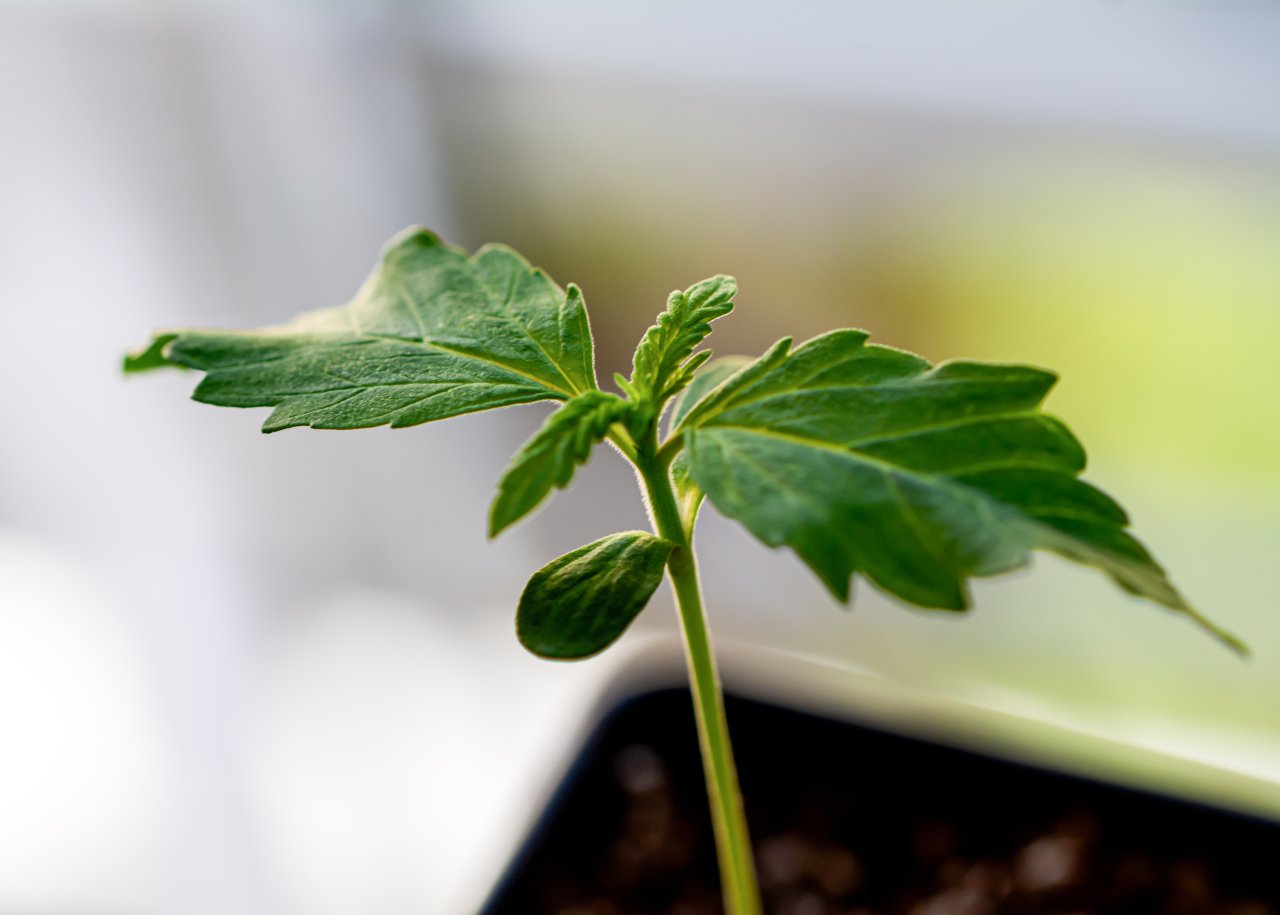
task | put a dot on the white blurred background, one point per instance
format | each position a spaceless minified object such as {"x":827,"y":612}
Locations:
{"x":255,"y":674}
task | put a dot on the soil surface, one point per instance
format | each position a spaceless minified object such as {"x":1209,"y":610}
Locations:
{"x":850,"y":821}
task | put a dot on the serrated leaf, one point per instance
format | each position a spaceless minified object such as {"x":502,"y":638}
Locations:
{"x":688,"y":495}
{"x":579,"y":604}
{"x":433,"y":333}
{"x":867,"y":459}
{"x":660,"y":366}
{"x":704,"y":382}
{"x":549,"y":459}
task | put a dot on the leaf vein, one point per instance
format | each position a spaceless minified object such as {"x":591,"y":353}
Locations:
{"x":516,"y":319}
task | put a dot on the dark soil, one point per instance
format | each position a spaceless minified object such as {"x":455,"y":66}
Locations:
{"x":852,"y":821}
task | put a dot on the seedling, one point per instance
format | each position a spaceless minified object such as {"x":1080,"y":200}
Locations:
{"x":860,"y":458}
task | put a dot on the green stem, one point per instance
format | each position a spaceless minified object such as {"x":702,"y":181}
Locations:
{"x":733,"y":844}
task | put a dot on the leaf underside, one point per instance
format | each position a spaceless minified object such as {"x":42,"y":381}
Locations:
{"x":579,"y":604}
{"x":432,"y":333}
{"x":708,"y":378}
{"x":866,"y":459}
{"x":711,"y":376}
{"x":548,"y":460}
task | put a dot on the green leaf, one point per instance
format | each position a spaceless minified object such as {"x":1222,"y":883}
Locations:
{"x":704,"y":382}
{"x":660,"y":366}
{"x":433,"y":333}
{"x":863,"y":458}
{"x":550,"y":458}
{"x":688,"y":495}
{"x":579,"y":604}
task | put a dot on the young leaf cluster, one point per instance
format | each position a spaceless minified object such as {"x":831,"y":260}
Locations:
{"x":664,"y":363}
{"x":550,"y":458}
{"x":862,"y":459}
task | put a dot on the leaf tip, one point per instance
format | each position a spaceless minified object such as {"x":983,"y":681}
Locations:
{"x":840,"y":585}
{"x":277,"y":421}
{"x":1224,"y":637}
{"x":1237,"y":645}
{"x":499,"y":518}
{"x":729,"y":284}
{"x":414,"y":236}
{"x":1173,"y":599}
{"x":152,"y":356}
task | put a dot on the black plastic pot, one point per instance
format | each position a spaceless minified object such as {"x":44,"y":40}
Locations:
{"x":848,"y":819}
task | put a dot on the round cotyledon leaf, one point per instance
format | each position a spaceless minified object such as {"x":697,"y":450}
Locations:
{"x":579,"y":604}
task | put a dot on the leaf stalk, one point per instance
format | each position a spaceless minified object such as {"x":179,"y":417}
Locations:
{"x":733,"y":845}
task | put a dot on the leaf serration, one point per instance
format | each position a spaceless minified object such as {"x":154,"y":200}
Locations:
{"x":664,"y":362}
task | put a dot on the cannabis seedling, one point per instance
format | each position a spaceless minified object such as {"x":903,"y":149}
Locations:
{"x":860,"y":458}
